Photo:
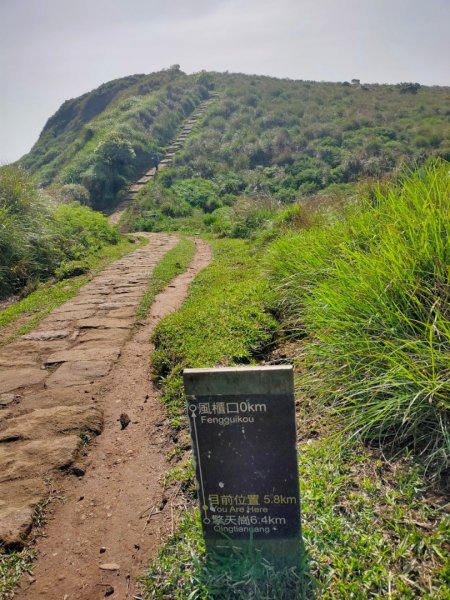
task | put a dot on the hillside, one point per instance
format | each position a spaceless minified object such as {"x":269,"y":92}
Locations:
{"x":279,"y":137}
{"x":111,"y":134}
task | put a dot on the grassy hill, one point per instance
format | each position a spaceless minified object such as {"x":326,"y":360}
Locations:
{"x":266,"y":143}
{"x":108,"y":136}
{"x":276,"y":137}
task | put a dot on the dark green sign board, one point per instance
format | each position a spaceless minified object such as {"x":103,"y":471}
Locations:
{"x":243,"y":432}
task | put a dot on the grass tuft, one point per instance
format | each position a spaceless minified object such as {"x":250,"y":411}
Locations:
{"x":13,"y":565}
{"x":173,"y":263}
{"x":183,"y":571}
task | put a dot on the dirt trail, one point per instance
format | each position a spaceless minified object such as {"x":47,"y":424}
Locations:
{"x":49,"y":379}
{"x":102,"y":371}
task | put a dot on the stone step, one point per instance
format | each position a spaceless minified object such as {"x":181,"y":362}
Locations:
{"x":176,"y":145}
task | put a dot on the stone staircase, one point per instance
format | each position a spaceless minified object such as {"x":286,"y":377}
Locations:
{"x":176,"y":145}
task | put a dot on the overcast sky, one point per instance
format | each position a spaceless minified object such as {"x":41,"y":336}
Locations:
{"x":52,"y":50}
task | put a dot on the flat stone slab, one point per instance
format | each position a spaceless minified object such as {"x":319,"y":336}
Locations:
{"x":112,"y":305}
{"x":11,"y":356}
{"x":55,"y":334}
{"x":14,"y":379}
{"x":82,"y":353}
{"x":49,"y":422}
{"x":122,"y":312}
{"x":6,"y":399}
{"x":79,"y":373}
{"x":100,"y":335}
{"x":126,"y":297}
{"x":72,"y":315}
{"x":54,"y":397}
{"x":86,"y":302}
{"x":105,"y":323}
{"x":126,"y":290}
{"x":99,"y":291}
{"x":18,"y":499}
{"x":33,"y":458}
{"x":27,"y":353}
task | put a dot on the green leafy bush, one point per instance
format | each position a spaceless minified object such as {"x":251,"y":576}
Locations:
{"x":250,"y":215}
{"x":74,"y":192}
{"x":38,"y":238}
{"x":72,"y":268}
{"x":199,"y":193}
{"x":81,"y":230}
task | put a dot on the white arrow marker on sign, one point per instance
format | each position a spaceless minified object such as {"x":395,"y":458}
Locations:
{"x":193,"y":410}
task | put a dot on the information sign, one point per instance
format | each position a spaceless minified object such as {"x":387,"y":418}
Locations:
{"x":243,"y":432}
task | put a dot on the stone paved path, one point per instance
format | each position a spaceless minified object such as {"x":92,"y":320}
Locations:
{"x":113,"y":519}
{"x":48,"y":382}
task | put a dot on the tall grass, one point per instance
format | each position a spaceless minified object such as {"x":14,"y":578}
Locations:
{"x":371,"y":291}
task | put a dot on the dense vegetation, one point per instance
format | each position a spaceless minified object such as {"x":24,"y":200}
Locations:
{"x":366,"y":286}
{"x":266,"y":142}
{"x":94,"y":144}
{"x":370,"y":289}
{"x":263,"y":137}
{"x":40,"y":238}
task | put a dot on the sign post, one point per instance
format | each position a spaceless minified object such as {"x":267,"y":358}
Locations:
{"x":243,"y":433}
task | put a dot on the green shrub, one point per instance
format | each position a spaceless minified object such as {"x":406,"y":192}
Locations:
{"x":26,"y":246}
{"x":220,"y":221}
{"x":72,"y":268}
{"x":39,"y":239}
{"x":199,"y":193}
{"x":74,"y":192}
{"x":250,"y":215}
{"x":175,"y":207}
{"x":80,"y":229}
